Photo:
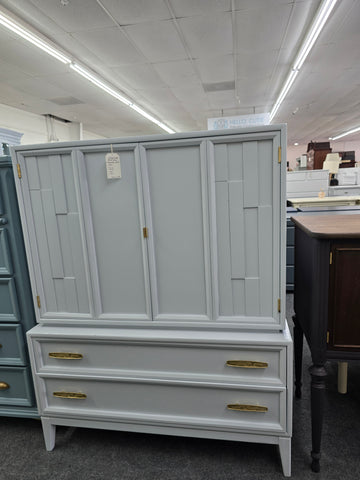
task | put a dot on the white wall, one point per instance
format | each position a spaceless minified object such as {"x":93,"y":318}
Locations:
{"x":293,"y":152}
{"x":35,"y":129}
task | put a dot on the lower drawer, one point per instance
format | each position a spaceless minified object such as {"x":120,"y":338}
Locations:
{"x":227,"y":407}
{"x":15,"y":386}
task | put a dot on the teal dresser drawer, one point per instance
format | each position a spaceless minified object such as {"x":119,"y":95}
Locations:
{"x":8,"y":300}
{"x":12,"y":348}
{"x":15,"y":387}
{"x":5,"y":257}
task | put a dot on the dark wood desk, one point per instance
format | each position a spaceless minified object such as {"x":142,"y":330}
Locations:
{"x":326,"y":302}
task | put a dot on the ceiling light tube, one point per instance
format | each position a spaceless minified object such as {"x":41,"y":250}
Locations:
{"x":354,"y":130}
{"x":151,"y":118}
{"x":99,"y":83}
{"x":26,"y":34}
{"x":316,"y":27}
{"x":30,"y":37}
{"x":289,"y":81}
{"x":318,"y":24}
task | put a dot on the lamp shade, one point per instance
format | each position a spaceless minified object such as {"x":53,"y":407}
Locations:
{"x":332,"y":162}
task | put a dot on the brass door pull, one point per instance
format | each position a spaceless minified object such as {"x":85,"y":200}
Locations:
{"x":246,"y":364}
{"x":4,"y":386}
{"x":72,"y":395}
{"x":66,"y":356}
{"x":247,"y":408}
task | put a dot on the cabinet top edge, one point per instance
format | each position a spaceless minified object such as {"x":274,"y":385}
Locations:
{"x":154,"y":138}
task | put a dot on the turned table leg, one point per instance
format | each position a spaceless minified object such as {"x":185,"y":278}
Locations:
{"x":318,"y":376}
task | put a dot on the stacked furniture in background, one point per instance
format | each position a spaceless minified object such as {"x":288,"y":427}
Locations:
{"x":16,"y":306}
{"x":160,"y":286}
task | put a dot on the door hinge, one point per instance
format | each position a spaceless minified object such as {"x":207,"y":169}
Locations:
{"x":331,"y":255}
{"x":18,"y":170}
{"x":145,"y":232}
{"x":279,"y":305}
{"x":327,"y":336}
{"x":279,"y":155}
{"x":38,"y":301}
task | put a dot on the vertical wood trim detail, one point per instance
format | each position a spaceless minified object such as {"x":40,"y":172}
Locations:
{"x":91,"y":268}
{"x":151,"y":269}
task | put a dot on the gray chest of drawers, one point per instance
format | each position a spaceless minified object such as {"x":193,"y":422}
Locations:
{"x":161,"y":291}
{"x":16,"y":308}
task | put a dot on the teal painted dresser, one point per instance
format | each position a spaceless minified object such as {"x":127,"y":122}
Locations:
{"x":16,"y":308}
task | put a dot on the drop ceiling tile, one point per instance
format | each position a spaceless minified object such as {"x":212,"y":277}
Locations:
{"x":139,"y":76}
{"x":262,"y":29}
{"x":129,"y":12}
{"x":110,"y":46}
{"x":158,"y":41}
{"x":222,"y":99}
{"x":216,"y":69}
{"x":189,"y":8}
{"x":160,"y":97}
{"x":208,"y":35}
{"x":76,"y":15}
{"x":10,"y":73}
{"x":177,"y":73}
{"x":38,"y":87}
{"x":30,"y":59}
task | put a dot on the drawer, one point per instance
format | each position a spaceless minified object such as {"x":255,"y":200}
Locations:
{"x":15,"y":386}
{"x":290,"y":274}
{"x":9,"y":309}
{"x":256,"y":364}
{"x":166,"y":402}
{"x":5,"y":256}
{"x":12,"y":348}
{"x":290,"y":235}
{"x":290,"y":255}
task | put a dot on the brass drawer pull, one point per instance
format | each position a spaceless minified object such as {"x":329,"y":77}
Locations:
{"x":247,"y":408}
{"x":66,"y":356}
{"x":4,"y":386}
{"x":246,"y":364}
{"x":73,"y":395}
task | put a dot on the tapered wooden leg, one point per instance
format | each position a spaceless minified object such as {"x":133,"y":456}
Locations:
{"x":49,"y":431}
{"x":318,"y":377}
{"x":298,"y":354}
{"x":285,"y":455}
{"x":342,"y":377}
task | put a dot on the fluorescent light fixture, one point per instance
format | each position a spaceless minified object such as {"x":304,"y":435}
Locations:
{"x":99,"y":83}
{"x":30,"y":37}
{"x":26,"y":34}
{"x":317,"y":25}
{"x":286,"y":87}
{"x":354,"y":130}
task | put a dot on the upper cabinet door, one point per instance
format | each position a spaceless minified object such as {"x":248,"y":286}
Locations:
{"x":114,"y":222}
{"x":246,"y":216}
{"x":176,"y":206}
{"x":54,"y":234}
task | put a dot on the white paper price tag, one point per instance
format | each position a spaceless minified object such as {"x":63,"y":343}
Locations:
{"x":113,"y":167}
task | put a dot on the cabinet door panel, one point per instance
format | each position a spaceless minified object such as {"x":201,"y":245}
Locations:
{"x":177,"y":214}
{"x":119,"y":255}
{"x":245,"y":188}
{"x":56,"y":238}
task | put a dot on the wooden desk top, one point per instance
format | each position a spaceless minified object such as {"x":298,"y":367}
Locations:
{"x":329,"y":226}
